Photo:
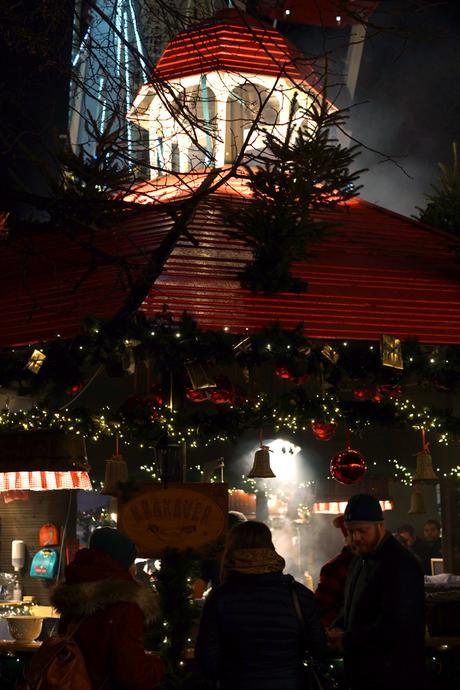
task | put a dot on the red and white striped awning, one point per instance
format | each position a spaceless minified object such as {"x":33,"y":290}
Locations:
{"x":44,"y":481}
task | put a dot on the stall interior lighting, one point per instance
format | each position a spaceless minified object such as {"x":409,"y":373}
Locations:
{"x":338,"y":507}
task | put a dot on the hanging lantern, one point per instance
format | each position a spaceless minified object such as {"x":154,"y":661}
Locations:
{"x":348,"y":466}
{"x":391,"y":351}
{"x":261,"y":467}
{"x":424,"y":473}
{"x":322,"y":431}
{"x":36,"y":361}
{"x":330,"y":354}
{"x":116,"y":473}
{"x":417,"y":504}
{"x":198,"y":376}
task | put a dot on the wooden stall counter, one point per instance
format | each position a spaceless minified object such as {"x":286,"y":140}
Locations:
{"x":17,"y":646}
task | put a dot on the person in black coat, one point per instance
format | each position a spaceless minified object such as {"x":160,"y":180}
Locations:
{"x":382,"y":626}
{"x":250,"y":637}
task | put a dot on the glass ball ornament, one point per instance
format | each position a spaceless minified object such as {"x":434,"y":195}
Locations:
{"x":348,"y":466}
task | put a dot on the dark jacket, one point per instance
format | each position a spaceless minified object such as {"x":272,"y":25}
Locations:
{"x":114,"y":609}
{"x":384,"y":620}
{"x":331,"y":586}
{"x":250,"y":637}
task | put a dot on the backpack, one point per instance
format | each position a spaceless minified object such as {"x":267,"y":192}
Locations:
{"x":58,"y":665}
{"x":45,"y":564}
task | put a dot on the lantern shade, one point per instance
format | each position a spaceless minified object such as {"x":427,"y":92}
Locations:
{"x":42,"y":451}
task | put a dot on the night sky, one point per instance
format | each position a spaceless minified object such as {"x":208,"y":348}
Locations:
{"x":409,"y":88}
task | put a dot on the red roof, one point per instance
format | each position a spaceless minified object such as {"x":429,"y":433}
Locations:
{"x":231,"y":42}
{"x":378,"y":273}
{"x":52,"y":282}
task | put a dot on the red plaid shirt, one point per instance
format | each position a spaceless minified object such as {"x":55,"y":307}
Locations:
{"x":331,"y":586}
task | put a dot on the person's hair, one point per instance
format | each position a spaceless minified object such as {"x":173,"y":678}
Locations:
{"x":406,"y":528}
{"x":435,"y":523}
{"x":245,"y":535}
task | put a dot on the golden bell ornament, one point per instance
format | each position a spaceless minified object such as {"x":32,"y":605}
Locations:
{"x":261,"y":468}
{"x":116,"y":473}
{"x":417,"y":504}
{"x":424,"y":472}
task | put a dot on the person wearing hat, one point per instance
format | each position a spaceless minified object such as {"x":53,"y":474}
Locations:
{"x":100,"y":592}
{"x":381,"y":628}
{"x":332,"y":578}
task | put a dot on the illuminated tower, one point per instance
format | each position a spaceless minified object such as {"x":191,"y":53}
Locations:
{"x":226,"y":82}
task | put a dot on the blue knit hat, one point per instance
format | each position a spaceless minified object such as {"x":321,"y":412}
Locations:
{"x":117,"y":545}
{"x":363,"y":508}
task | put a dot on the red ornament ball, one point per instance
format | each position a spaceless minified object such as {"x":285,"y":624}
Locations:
{"x":364,"y":393}
{"x":348,"y":466}
{"x":322,"y":431}
{"x":196,"y":396}
{"x":283,"y":373}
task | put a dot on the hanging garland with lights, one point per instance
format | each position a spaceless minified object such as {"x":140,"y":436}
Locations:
{"x":64,"y":367}
{"x":320,"y":384}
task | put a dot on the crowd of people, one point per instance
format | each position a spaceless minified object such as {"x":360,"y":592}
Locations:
{"x":258,"y":624}
{"x":425,"y":548}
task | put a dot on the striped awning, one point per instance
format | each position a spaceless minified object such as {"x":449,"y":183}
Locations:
{"x":44,"y":481}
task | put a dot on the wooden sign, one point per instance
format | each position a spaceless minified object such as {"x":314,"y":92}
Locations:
{"x":181,"y":516}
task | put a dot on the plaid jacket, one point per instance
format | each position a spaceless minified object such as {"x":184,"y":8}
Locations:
{"x":331,"y":586}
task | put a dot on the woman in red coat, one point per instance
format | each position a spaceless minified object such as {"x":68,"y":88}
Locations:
{"x":100,"y":591}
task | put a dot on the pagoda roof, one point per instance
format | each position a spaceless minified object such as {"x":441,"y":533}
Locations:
{"x":377,"y":273}
{"x":232,"y":41}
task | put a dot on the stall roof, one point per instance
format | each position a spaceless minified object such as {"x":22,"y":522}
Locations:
{"x":378,"y":273}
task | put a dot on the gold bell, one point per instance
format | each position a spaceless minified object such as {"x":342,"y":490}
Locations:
{"x":261,"y":467}
{"x":417,"y":504}
{"x":424,"y":470}
{"x":116,"y":473}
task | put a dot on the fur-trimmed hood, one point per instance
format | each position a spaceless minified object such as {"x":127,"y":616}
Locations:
{"x":85,"y":598}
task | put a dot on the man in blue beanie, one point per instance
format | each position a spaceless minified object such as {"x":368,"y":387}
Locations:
{"x":381,"y":628}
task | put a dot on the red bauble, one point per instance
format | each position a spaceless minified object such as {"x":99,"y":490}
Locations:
{"x":348,"y":466}
{"x":363,"y":393}
{"x":196,"y":396}
{"x":389,"y":390}
{"x":300,"y":380}
{"x":323,"y":432}
{"x":222,"y":396}
{"x":76,"y":388}
{"x":155,"y":397}
{"x":283,"y":373}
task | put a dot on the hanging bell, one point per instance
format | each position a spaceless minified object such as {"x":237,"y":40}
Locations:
{"x":417,"y":504}
{"x":261,"y":467}
{"x":424,"y":472}
{"x":116,"y":473}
